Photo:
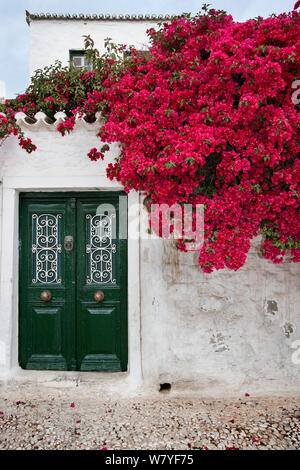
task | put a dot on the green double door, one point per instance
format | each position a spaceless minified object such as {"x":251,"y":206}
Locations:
{"x":73,"y":282}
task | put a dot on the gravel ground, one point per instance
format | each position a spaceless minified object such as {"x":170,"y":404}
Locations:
{"x":46,"y":418}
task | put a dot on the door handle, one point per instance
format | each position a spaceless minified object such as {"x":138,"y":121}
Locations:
{"x":46,"y":296}
{"x":68,"y":244}
{"x":99,"y":296}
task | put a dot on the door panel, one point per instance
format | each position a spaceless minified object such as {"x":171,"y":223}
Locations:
{"x":49,"y":320}
{"x":100,"y":252}
{"x":99,"y":338}
{"x":72,"y":331}
{"x":46,"y":328}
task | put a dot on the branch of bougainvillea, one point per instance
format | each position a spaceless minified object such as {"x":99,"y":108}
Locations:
{"x":185,"y":138}
{"x":9,"y":127}
{"x":204,"y":118}
{"x":297,"y":5}
{"x":66,"y":126}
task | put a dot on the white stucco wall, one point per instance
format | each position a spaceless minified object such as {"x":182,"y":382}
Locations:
{"x":55,"y":155}
{"x":222,"y":333}
{"x":59,"y":164}
{"x":51,"y":40}
{"x":217,"y":335}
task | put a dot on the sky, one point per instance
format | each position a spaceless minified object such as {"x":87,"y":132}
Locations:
{"x":14,"y":31}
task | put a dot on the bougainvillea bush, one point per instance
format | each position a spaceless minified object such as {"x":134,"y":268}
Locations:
{"x":207,"y":117}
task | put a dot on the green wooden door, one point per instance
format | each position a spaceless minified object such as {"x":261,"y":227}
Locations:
{"x":70,"y":251}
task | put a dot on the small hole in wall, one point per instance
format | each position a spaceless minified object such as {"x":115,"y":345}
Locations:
{"x":165,"y":388}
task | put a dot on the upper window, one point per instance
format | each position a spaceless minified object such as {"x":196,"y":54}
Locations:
{"x":79,"y":60}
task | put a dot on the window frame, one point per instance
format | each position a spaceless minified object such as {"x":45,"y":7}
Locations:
{"x":78,"y":53}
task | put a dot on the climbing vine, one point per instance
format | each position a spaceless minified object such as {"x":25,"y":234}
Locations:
{"x":206,"y":117}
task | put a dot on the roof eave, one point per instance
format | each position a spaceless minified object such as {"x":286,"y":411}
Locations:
{"x":95,"y":17}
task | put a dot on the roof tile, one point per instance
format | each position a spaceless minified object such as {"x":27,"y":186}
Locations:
{"x":96,"y":17}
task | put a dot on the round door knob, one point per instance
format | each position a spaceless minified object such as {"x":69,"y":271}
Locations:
{"x":46,"y":296}
{"x":99,"y":296}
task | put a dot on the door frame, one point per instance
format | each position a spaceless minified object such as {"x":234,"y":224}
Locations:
{"x":100,"y":196}
{"x":9,"y":287}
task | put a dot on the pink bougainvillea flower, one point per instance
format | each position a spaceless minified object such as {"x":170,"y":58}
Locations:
{"x":254,"y":440}
{"x":247,"y":395}
{"x":189,"y":445}
{"x":78,"y":421}
{"x":205,"y":448}
{"x":1,"y":413}
{"x":232,"y":421}
{"x":94,"y":155}
{"x":104,"y":448}
{"x":72,"y":405}
{"x":297,"y":5}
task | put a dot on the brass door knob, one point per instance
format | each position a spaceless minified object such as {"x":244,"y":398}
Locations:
{"x":46,"y":296}
{"x":99,"y":296}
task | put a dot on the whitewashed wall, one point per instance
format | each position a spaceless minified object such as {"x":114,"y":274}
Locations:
{"x":59,"y":164}
{"x":221,"y":333}
{"x":218,"y":335}
{"x":51,"y":40}
{"x":55,"y":155}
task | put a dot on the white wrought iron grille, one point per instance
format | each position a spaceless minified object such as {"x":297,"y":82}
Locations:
{"x":100,"y":249}
{"x":46,"y":248}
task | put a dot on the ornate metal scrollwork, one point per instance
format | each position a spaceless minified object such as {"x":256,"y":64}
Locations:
{"x":100,"y":249}
{"x":46,"y":248}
